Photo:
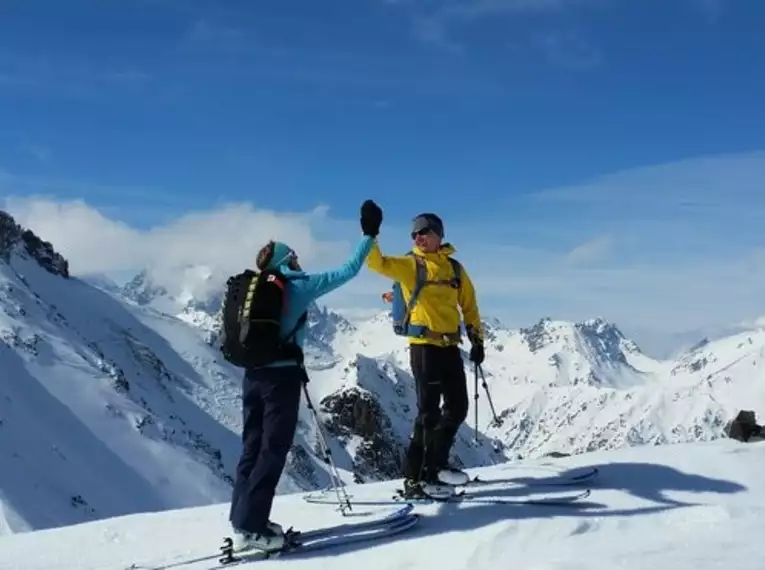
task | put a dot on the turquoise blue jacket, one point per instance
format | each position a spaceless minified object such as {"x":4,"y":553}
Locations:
{"x":305,"y":288}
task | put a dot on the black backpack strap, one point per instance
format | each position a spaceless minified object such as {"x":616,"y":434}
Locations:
{"x":457,"y":268}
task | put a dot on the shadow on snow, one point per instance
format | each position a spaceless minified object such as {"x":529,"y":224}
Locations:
{"x":647,"y":481}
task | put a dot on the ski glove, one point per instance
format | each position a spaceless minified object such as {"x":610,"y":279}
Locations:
{"x":371,"y":218}
{"x":477,"y":353}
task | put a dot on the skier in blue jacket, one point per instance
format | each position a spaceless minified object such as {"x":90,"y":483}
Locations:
{"x":271,"y":394}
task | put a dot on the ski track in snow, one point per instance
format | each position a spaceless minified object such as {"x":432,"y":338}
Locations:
{"x":694,"y":506}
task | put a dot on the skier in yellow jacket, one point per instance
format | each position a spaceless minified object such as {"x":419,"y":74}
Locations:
{"x":432,"y":325}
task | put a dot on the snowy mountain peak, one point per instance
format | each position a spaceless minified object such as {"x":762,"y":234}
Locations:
{"x":15,"y":239}
{"x":717,"y":358}
{"x":183,"y":285}
{"x":190,"y":292}
{"x":605,"y":334}
{"x":324,"y":324}
{"x":142,"y":289}
{"x":598,"y":336}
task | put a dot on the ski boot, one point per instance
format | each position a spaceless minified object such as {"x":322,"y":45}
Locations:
{"x":270,"y":540}
{"x":426,"y":490}
{"x":449,"y":475}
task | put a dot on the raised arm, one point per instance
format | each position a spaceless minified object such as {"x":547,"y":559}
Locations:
{"x":398,"y":268}
{"x":469,"y":306}
{"x":319,"y":284}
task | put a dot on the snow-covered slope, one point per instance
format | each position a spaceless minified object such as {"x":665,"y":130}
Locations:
{"x":617,"y":396}
{"x":685,"y":507}
{"x":560,"y":386}
{"x":107,"y":408}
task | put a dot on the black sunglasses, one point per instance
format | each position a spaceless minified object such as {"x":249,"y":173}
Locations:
{"x":422,"y":232}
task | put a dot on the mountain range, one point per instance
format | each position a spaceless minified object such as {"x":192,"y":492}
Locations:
{"x":115,"y":399}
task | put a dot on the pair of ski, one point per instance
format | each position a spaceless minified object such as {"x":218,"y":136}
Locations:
{"x":319,"y":539}
{"x":458,"y":493}
{"x":398,"y":521}
{"x":403,"y":519}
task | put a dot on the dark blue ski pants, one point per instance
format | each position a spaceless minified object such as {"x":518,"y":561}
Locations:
{"x":439,"y":374}
{"x":270,"y":402}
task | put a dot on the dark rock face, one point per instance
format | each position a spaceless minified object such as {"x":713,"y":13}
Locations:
{"x":13,"y":236}
{"x":607,"y":341}
{"x":355,"y":412}
{"x":9,"y":234}
{"x":537,"y":336}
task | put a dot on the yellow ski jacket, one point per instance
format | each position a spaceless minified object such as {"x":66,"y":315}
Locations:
{"x":438,"y":308}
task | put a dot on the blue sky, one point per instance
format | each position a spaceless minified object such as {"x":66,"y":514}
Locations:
{"x":587,"y":156}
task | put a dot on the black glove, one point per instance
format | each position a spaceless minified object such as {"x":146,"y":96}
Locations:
{"x":477,"y":353}
{"x":371,"y":218}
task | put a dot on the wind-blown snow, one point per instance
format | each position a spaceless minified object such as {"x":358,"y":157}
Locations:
{"x":686,"y":507}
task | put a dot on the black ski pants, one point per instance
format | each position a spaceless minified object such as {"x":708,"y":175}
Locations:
{"x":270,"y":402}
{"x":438,"y":372}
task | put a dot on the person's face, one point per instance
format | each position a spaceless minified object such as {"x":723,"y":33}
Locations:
{"x":426,"y":240}
{"x":293,"y":262}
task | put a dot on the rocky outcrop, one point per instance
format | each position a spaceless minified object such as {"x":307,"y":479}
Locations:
{"x":354,"y":414}
{"x":15,"y":238}
{"x":9,"y":234}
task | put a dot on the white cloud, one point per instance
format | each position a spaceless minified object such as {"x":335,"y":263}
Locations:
{"x":597,"y":249}
{"x":592,"y":250}
{"x":483,"y":8}
{"x":757,"y":322}
{"x":569,"y":49}
{"x":718,"y":184}
{"x":226,"y":239}
{"x":438,"y":24}
{"x":660,"y":295}
{"x":211,"y":35}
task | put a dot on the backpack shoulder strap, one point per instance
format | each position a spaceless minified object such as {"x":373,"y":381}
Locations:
{"x":455,"y":281}
{"x":457,"y":267}
{"x":304,"y":317}
{"x":420,"y":279}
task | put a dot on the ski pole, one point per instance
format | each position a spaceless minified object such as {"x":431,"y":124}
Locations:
{"x":475,"y":406}
{"x":334,"y":475}
{"x":497,"y":422}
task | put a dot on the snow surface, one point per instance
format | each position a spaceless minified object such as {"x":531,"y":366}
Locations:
{"x":692,"y":506}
